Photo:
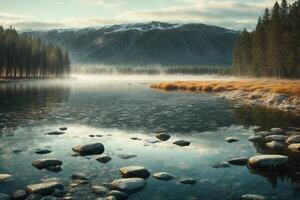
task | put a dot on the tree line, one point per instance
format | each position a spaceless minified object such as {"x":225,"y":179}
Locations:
{"x":23,"y":56}
{"x":273,"y":48}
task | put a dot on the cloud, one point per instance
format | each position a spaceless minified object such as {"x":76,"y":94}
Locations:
{"x":103,"y":3}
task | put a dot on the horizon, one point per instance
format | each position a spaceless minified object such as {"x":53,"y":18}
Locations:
{"x":58,"y":14}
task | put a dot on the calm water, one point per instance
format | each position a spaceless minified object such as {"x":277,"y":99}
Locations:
{"x":120,"y":108}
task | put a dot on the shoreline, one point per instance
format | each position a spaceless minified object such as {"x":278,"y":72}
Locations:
{"x":11,"y":80}
{"x":281,"y":95}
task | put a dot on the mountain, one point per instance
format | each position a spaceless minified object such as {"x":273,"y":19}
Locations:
{"x":146,"y":43}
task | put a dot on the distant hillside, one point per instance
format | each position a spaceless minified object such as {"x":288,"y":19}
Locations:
{"x":147,"y":43}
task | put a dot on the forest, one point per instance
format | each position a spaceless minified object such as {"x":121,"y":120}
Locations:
{"x":273,"y":48}
{"x":24,"y":56}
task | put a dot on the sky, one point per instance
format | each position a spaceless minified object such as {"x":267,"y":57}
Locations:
{"x":47,"y":14}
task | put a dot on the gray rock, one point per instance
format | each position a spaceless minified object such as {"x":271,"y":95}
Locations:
{"x":280,"y":138}
{"x":5,"y":177}
{"x":182,"y":143}
{"x":20,"y":194}
{"x":100,"y":190}
{"x":134,"y":172}
{"x":44,"y":188}
{"x":256,"y":138}
{"x":34,"y":197}
{"x":253,"y":197}
{"x":268,"y":161}
{"x":294,"y":147}
{"x":55,"y":133}
{"x":238,"y":161}
{"x":126,"y":156}
{"x":79,"y":176}
{"x":118,"y":194}
{"x":263,"y":133}
{"x":164,"y":176}
{"x":231,"y":139}
{"x":89,"y":149}
{"x":293,"y":139}
{"x":224,"y":164}
{"x":128,"y":185}
{"x":104,"y":159}
{"x":46,"y":163}
{"x":4,"y":196}
{"x":278,"y":131}
{"x":275,"y":145}
{"x":162,"y":136}
{"x":188,"y":181}
{"x":43,"y":151}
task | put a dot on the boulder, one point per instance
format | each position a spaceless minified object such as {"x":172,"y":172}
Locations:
{"x":293,"y":139}
{"x":238,"y":161}
{"x":182,"y":143}
{"x":162,"y":136}
{"x":46,"y":163}
{"x":46,"y":188}
{"x":89,"y":149}
{"x":275,"y":145}
{"x":4,"y":177}
{"x":276,"y":131}
{"x":294,"y":147}
{"x":103,"y":159}
{"x":118,"y":194}
{"x":188,"y":181}
{"x":280,"y":138}
{"x":253,"y":197}
{"x":231,"y":139}
{"x":20,"y":194}
{"x":164,"y":176}
{"x":268,"y":161}
{"x":255,"y":138}
{"x":128,"y":185}
{"x":134,"y":172}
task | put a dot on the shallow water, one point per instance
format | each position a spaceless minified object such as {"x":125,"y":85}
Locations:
{"x":120,"y":108}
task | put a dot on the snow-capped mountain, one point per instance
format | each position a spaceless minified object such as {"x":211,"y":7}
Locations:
{"x":146,"y":43}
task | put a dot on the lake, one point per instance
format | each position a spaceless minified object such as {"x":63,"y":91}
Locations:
{"x":113,"y":110}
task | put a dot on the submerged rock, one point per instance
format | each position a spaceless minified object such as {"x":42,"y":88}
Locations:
{"x":268,"y":161}
{"x":238,"y":161}
{"x":44,"y":188}
{"x":128,"y":185}
{"x":293,"y":139}
{"x":42,"y":151}
{"x":256,"y":138}
{"x":46,"y":163}
{"x":55,"y":133}
{"x":89,"y":149}
{"x":277,"y":131}
{"x":280,"y":138}
{"x":224,"y":164}
{"x":34,"y":197}
{"x":104,"y":159}
{"x":182,"y":143}
{"x":163,"y":176}
{"x":294,"y":147}
{"x":118,"y":194}
{"x":4,"y":196}
{"x":20,"y":194}
{"x":275,"y":145}
{"x":100,"y":190}
{"x":162,"y":136}
{"x":253,"y":197}
{"x":79,"y":176}
{"x":188,"y":181}
{"x":231,"y":139}
{"x":134,"y":172}
{"x":4,"y":177}
{"x":126,"y":156}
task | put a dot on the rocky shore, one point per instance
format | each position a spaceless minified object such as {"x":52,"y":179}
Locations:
{"x":280,"y":95}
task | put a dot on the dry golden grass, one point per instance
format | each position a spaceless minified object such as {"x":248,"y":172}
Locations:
{"x":291,"y":88}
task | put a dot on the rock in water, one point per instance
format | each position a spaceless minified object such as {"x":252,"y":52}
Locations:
{"x":55,"y":133}
{"x":162,"y":136}
{"x":100,"y":190}
{"x":4,"y":177}
{"x":63,"y":128}
{"x":163,"y":176}
{"x":231,"y":139}
{"x":293,"y":139}
{"x":182,"y":143}
{"x":294,"y":147}
{"x":268,"y":161}
{"x":107,"y":198}
{"x":128,"y":185}
{"x":275,"y":145}
{"x":104,"y":159}
{"x":277,"y":131}
{"x":280,"y":138}
{"x":118,"y":194}
{"x":44,"y":188}
{"x":188,"y":181}
{"x":253,"y":197}
{"x":89,"y":149}
{"x":20,"y":194}
{"x":126,"y":156}
{"x":255,"y":138}
{"x":238,"y":161}
{"x":4,"y":196}
{"x":46,"y":163}
{"x":42,"y":151}
{"x":134,"y":172}
{"x":79,"y":176}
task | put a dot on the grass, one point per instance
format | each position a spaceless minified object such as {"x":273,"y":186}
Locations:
{"x":289,"y":87}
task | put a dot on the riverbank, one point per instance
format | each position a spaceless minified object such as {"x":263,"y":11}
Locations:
{"x":278,"y":94}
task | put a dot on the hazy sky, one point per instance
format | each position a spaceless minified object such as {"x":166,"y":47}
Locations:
{"x":233,"y":14}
